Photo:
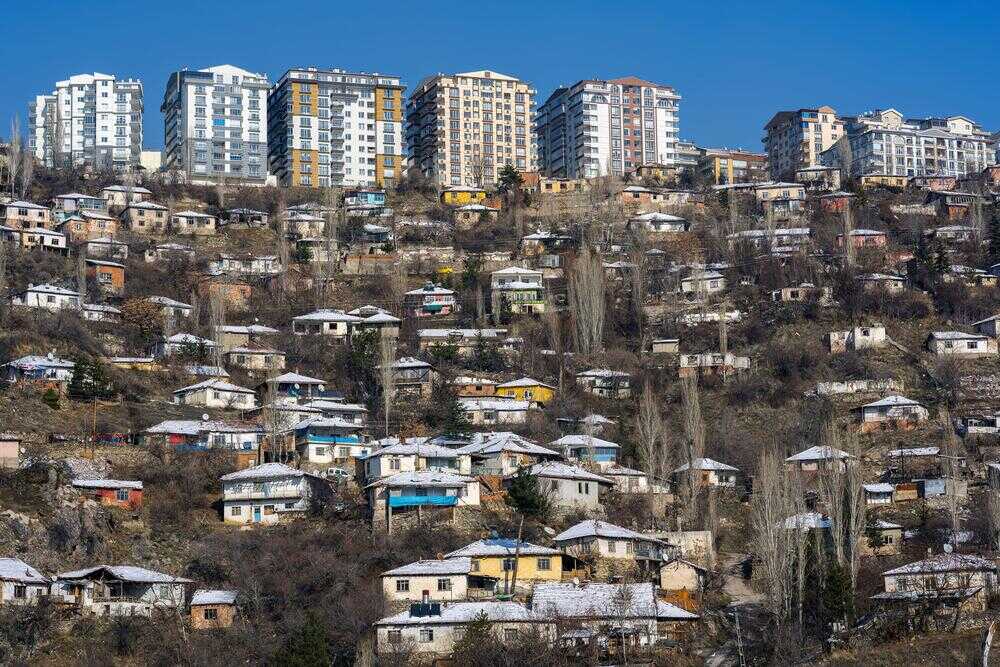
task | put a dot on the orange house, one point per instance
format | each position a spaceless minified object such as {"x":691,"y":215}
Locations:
{"x":235,"y":293}
{"x":112,"y":492}
{"x":110,"y":276}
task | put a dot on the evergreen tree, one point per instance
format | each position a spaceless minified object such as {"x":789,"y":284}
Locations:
{"x":510,"y":180}
{"x":838,"y":597}
{"x":308,"y":646}
{"x":475,"y":641}
{"x":525,"y":496}
{"x":446,"y":413}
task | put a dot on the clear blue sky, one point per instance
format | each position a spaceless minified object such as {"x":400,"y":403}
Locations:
{"x":734,"y":63}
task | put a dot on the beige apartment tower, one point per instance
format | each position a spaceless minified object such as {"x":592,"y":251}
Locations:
{"x":462,"y":129}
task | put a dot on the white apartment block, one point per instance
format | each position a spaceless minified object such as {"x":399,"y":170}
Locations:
{"x":884,"y":142}
{"x":463,"y":129}
{"x":215,"y":125}
{"x":329,"y":127}
{"x":89,"y":119}
{"x":595,"y":128}
{"x":795,"y":139}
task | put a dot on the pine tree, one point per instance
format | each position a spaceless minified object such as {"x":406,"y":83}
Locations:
{"x":525,"y":496}
{"x":447,"y":414}
{"x":307,"y":647}
{"x":838,"y":597}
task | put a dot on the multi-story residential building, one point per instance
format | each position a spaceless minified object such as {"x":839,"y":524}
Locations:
{"x":215,"y":125}
{"x":722,"y":165}
{"x":329,"y":127}
{"x":885,"y":142}
{"x":463,"y":129}
{"x":688,"y":155}
{"x":795,"y":139}
{"x":594,"y":128}
{"x":93,"y":120}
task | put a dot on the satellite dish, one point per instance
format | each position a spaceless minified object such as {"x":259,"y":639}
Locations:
{"x":576,"y":581}
{"x":440,"y":556}
{"x":296,"y":385}
{"x":948,"y":548}
{"x":322,"y":388}
{"x":204,"y":417}
{"x":548,"y":531}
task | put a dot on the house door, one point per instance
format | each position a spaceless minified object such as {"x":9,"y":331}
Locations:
{"x":256,"y":514}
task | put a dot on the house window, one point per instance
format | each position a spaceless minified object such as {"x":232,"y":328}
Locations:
{"x":475,"y":565}
{"x":235,"y":510}
{"x":426,"y":635}
{"x":395,"y":636}
{"x":612,"y":545}
{"x":211,"y":614}
{"x":544,"y":564}
{"x":163,"y":591}
{"x":121,"y":495}
{"x":402,"y":585}
{"x":508,"y":564}
{"x":20,"y":591}
{"x":444,"y":584}
{"x":510,"y":634}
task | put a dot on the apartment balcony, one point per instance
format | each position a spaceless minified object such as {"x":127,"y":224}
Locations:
{"x":281,"y":492}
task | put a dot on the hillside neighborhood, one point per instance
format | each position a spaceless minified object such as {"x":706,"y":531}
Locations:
{"x":481,"y":391}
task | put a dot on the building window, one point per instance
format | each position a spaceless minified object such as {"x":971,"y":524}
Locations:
{"x":395,"y":636}
{"x":121,"y":495}
{"x":544,"y":564}
{"x":402,"y":585}
{"x":211,"y":614}
{"x":20,"y":591}
{"x":444,"y":584}
{"x":510,"y":634}
{"x":236,"y":510}
{"x":508,"y":564}
{"x":426,"y":635}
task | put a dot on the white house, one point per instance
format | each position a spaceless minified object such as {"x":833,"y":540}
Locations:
{"x":408,"y":491}
{"x":709,"y":472}
{"x":627,"y":480}
{"x":326,"y":322}
{"x":216,"y":393}
{"x":659,"y":223}
{"x":890,"y":283}
{"x":182,"y":343}
{"x":120,"y":590}
{"x":606,"y":610}
{"x":268,"y":493}
{"x":703,"y":282}
{"x":965,"y":579}
{"x":432,"y":629}
{"x":503,"y":453}
{"x":98,"y":312}
{"x":492,"y":411}
{"x":989,"y":326}
{"x":819,"y":457}
{"x":437,"y":580}
{"x":193,"y":223}
{"x":870,"y":337}
{"x":892,"y":410}
{"x":121,"y":196}
{"x":570,"y":486}
{"x":20,"y":583}
{"x":959,"y":343}
{"x":395,"y":457}
{"x":584,"y":447}
{"x":34,"y":367}
{"x":49,"y":297}
{"x":605,"y":383}
{"x":600,"y":539}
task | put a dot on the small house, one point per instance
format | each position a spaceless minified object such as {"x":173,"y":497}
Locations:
{"x":120,"y":590}
{"x":960,"y":344}
{"x":570,"y":486}
{"x":434,"y":580}
{"x":893,"y":410}
{"x":890,"y":283}
{"x":413,"y":377}
{"x":126,"y":494}
{"x":498,"y":557}
{"x":526,"y":389}
{"x":48,"y":297}
{"x":586,"y":447}
{"x":819,"y":458}
{"x":269,"y":493}
{"x":213,"y":609}
{"x":857,"y":338}
{"x":864,"y":238}
{"x":494,"y":411}
{"x":958,"y":580}
{"x":21,"y":584}
{"x":703,"y":283}
{"x":882,"y":538}
{"x":597,"y":542}
{"x":193,"y":223}
{"x":325,"y":322}
{"x":429,"y":300}
{"x":218,"y":394}
{"x":109,"y":276}
{"x":708,"y":472}
{"x":605,"y":383}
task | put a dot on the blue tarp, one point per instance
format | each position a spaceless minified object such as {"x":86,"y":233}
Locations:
{"x":406,"y":501}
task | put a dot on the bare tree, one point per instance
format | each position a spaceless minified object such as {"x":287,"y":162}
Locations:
{"x":586,"y":297}
{"x":833,"y":489}
{"x":15,"y":154}
{"x":81,"y":276}
{"x":951,"y":474}
{"x":847,"y":218}
{"x":694,"y":442}
{"x":387,"y":358}
{"x":650,"y":433}
{"x":27,"y":172}
{"x":770,"y":507}
{"x":217,"y":320}
{"x":993,"y":510}
{"x":856,"y":522}
{"x":3,"y":280}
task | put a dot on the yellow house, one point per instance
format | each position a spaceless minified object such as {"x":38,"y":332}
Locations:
{"x":459,"y":195}
{"x":884,"y":181}
{"x":526,"y":389}
{"x":495,"y":557}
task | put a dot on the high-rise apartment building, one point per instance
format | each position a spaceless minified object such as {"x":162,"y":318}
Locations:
{"x":884,"y":142}
{"x":794,"y":139}
{"x":215,"y":125}
{"x":595,"y":128}
{"x":463,"y":129}
{"x":90,"y":120}
{"x":329,"y":127}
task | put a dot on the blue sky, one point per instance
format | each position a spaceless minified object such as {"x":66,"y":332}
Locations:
{"x":734,"y":63}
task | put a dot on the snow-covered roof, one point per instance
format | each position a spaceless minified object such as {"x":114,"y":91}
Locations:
{"x":499,"y":404}
{"x":621,"y":471}
{"x":600,"y":600}
{"x":294,"y":378}
{"x":461,"y":333}
{"x":955,"y":335}
{"x":107,"y":484}
{"x":912,"y":451}
{"x":597,"y":528}
{"x":431,"y":567}
{"x":559,"y":470}
{"x":884,"y":525}
{"x":196,"y":426}
{"x":944,"y":563}
{"x":205,"y":596}
{"x":216,"y":384}
{"x":257,"y":329}
{"x":425,"y":478}
{"x":523,"y":382}
{"x":890,"y":401}
{"x":485,"y":444}
{"x":319,"y":421}
{"x":881,"y":487}
{"x":37,"y":361}
{"x":602,"y":372}
{"x":466,"y":612}
{"x":327,"y":315}
{"x":707,"y":464}
{"x":501,"y":546}
{"x":263,"y":471}
{"x":422,"y":449}
{"x":15,"y":569}
{"x":819,"y":453}
{"x":583,"y":440}
{"x":131,"y":573}
{"x":46,"y":288}
{"x":808,"y":520}
{"x":189,"y":339}
{"x":410,"y":362}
